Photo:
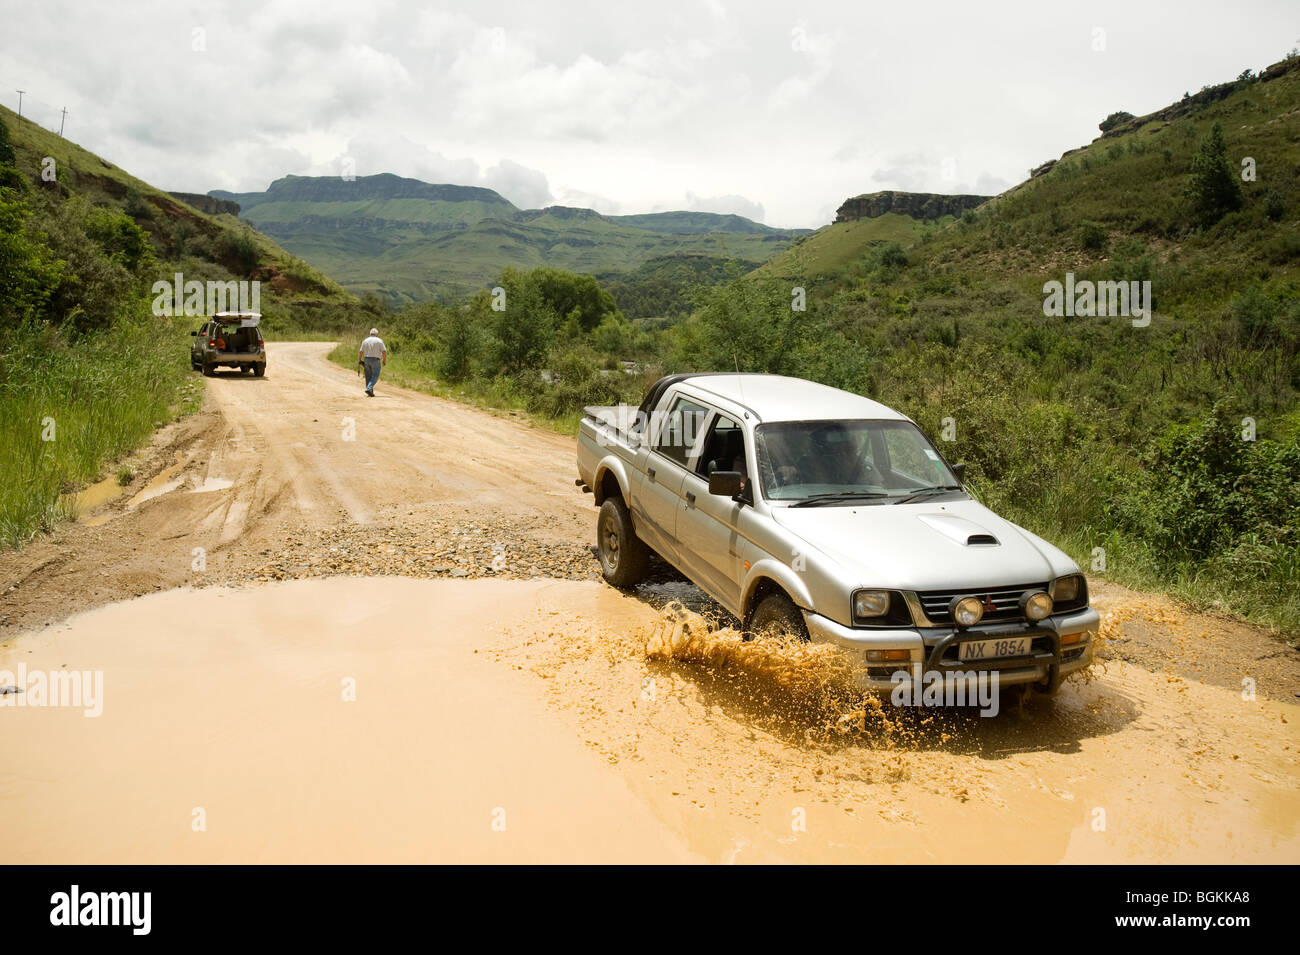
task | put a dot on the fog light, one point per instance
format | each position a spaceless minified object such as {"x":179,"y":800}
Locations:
{"x":1035,"y":604}
{"x":889,"y":656}
{"x":966,"y":611}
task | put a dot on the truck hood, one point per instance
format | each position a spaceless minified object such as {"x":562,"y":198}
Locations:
{"x":928,"y":545}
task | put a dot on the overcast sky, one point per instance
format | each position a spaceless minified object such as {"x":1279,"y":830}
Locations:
{"x":775,"y":111}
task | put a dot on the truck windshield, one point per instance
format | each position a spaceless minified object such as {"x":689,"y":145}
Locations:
{"x":843,"y":460}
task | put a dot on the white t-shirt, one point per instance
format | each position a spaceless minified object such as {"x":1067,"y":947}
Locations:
{"x":373,"y":347}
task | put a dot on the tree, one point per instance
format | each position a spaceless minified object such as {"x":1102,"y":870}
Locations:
{"x":1214,"y":190}
{"x":525,"y":327}
{"x":28,"y":274}
{"x":748,"y":325}
{"x":575,"y":296}
{"x":459,"y":346}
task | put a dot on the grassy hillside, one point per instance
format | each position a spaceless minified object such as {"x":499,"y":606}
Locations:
{"x":831,"y":251}
{"x":410,"y":241}
{"x":214,"y":245}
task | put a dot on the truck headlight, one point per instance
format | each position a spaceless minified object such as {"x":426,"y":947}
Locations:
{"x":965,"y":611}
{"x":1068,"y":589}
{"x":1035,"y":605}
{"x":870,"y":603}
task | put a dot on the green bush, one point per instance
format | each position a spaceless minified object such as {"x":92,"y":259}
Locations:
{"x":1274,"y":205}
{"x":1205,"y":489}
{"x":460,"y":347}
{"x":238,"y":252}
{"x":1092,"y":236}
{"x":1113,"y":120}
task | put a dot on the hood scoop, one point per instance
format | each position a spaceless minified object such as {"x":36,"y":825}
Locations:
{"x":964,"y":532}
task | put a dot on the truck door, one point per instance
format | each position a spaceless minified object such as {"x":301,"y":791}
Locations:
{"x":708,"y":525}
{"x":665,"y":470}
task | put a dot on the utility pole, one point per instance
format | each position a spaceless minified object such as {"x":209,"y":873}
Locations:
{"x":62,"y":121}
{"x":20,"y":102}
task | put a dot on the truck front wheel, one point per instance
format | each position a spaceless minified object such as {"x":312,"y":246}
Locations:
{"x":624,"y":558}
{"x":777,"y":616}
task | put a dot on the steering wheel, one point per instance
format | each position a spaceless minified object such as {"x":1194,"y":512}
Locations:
{"x":807,"y":466}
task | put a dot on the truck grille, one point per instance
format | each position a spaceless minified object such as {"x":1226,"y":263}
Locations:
{"x":1005,"y":599}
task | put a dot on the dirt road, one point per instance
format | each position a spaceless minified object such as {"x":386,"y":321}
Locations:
{"x":362,"y":713}
{"x":299,"y":474}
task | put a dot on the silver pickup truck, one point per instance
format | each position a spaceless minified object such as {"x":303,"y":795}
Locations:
{"x":806,"y":509}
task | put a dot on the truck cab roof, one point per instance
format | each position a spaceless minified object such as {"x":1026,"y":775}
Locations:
{"x":776,"y":397}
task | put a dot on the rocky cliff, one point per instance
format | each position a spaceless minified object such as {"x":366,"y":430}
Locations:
{"x":917,"y":205}
{"x":382,"y":186}
{"x":209,"y":204}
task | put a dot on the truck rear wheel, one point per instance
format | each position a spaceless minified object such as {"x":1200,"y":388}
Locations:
{"x":259,"y":370}
{"x":624,"y":558}
{"x":209,"y":370}
{"x":777,"y":616}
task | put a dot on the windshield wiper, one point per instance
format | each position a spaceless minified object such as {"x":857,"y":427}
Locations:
{"x":927,"y":491}
{"x":819,"y":499}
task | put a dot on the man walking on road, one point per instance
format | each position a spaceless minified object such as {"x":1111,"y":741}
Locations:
{"x":373,"y":354}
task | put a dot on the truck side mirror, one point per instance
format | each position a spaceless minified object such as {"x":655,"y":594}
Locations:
{"x":192,"y":334}
{"x":959,"y":472}
{"x":725,"y":483}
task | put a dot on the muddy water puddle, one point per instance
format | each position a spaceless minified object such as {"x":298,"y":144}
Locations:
{"x":389,"y":719}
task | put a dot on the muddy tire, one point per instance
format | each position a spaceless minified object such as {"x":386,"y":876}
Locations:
{"x":624,"y":558}
{"x":209,"y":370}
{"x":259,"y":370}
{"x":777,"y":616}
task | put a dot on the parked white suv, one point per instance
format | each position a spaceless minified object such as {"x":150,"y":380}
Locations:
{"x":801,"y":507}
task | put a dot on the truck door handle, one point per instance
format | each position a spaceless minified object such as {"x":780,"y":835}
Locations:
{"x":651,"y":472}
{"x":690,"y":498}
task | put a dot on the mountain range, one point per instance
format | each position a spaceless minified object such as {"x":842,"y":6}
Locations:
{"x":409,"y":240}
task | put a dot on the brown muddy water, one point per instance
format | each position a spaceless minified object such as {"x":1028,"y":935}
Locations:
{"x":393,"y":719}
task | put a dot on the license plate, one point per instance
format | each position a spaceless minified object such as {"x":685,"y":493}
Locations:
{"x":995,"y":649}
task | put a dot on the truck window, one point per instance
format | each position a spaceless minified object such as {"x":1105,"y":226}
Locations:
{"x":680,"y":429}
{"x":724,"y":448}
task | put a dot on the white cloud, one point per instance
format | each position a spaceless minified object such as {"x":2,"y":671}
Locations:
{"x":503,"y":83}
{"x":816,"y":49}
{"x":526,"y":188}
{"x":725,"y":205}
{"x":638,"y":105}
